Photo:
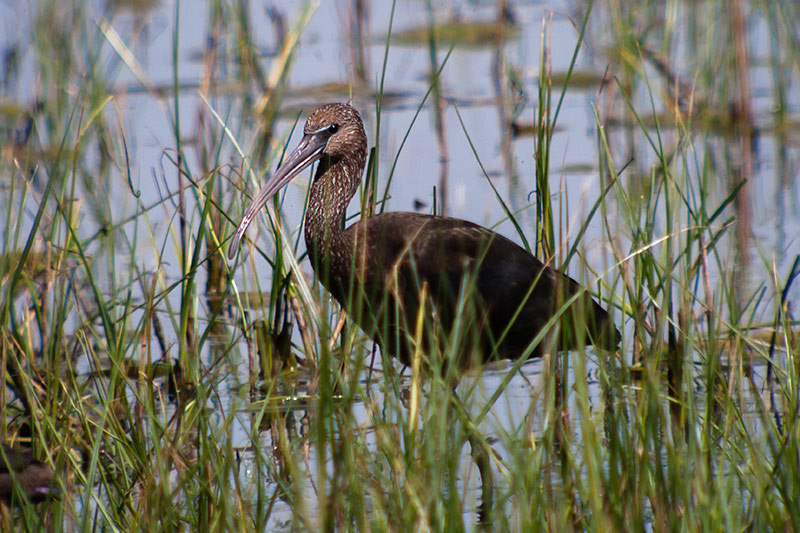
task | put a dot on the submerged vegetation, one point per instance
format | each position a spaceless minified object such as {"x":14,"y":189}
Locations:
{"x":169,"y":388}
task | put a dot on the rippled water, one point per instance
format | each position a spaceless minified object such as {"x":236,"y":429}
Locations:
{"x":468,"y":84}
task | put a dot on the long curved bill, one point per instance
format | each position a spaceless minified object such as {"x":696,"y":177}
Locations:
{"x":309,"y":150}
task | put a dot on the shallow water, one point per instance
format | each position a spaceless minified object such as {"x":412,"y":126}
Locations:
{"x":468,"y":86}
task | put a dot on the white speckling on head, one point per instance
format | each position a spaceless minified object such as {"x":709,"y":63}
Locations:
{"x":337,"y":179}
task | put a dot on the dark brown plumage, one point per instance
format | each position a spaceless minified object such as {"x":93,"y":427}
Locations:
{"x":32,"y":477}
{"x":378,"y":267}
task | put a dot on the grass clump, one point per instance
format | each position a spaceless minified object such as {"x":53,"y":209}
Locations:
{"x":168,"y":388}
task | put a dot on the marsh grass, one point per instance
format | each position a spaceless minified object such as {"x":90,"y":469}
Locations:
{"x":277,"y":411}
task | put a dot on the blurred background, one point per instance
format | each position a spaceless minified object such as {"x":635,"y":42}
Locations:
{"x":649,"y":148}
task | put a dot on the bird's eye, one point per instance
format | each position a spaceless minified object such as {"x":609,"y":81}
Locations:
{"x":333,"y":128}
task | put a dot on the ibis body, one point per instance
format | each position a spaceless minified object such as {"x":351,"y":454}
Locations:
{"x":416,"y":282}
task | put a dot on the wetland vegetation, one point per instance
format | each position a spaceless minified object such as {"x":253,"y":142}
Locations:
{"x":650,"y":149}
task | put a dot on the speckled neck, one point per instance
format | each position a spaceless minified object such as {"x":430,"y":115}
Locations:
{"x":335,"y":183}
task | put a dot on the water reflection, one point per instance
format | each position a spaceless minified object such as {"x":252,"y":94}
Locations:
{"x":710,"y":130}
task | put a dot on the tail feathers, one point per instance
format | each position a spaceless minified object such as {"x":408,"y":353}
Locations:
{"x":604,"y":334}
{"x":588,"y":323}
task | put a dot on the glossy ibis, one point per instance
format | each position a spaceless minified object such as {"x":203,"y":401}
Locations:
{"x":386,"y":268}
